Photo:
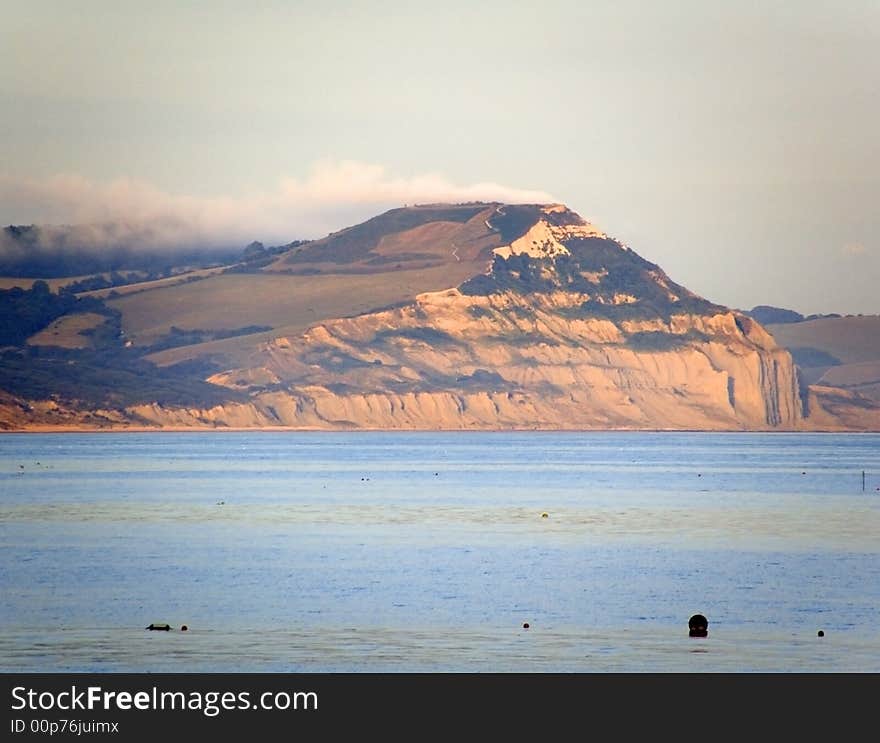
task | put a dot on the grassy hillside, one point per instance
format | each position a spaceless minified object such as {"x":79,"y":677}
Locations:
{"x":70,"y":331}
{"x":850,"y":339}
{"x":385,"y":261}
{"x":358,"y":244}
{"x":279,"y":301}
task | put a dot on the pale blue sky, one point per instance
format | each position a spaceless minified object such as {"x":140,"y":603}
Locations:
{"x":734,"y":143}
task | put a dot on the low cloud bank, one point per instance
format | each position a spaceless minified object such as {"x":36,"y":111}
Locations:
{"x":72,"y":214}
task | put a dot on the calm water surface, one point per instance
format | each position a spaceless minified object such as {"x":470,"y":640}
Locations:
{"x":427,"y":552}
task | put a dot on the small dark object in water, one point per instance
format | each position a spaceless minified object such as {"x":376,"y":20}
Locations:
{"x":183,"y":628}
{"x":698,"y":626}
{"x":820,"y":633}
{"x":163,"y":627}
{"x":525,"y":625}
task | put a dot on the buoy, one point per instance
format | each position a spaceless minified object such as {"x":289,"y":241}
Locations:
{"x":183,"y":628}
{"x":525,"y":625}
{"x":698,"y":626}
{"x":162,"y":627}
{"x":820,"y":633}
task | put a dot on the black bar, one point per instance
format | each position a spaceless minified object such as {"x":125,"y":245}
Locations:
{"x":425,"y":704}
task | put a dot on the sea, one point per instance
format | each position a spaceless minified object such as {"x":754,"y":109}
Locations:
{"x":425,"y":552}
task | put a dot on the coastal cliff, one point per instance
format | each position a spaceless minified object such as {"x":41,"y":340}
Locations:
{"x":551,"y":324}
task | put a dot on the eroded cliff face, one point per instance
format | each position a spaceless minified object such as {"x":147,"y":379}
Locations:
{"x":567,"y":329}
{"x":513,"y":361}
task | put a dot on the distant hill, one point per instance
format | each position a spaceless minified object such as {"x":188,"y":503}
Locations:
{"x":451,"y":316}
{"x":836,"y":351}
{"x":766,"y":315}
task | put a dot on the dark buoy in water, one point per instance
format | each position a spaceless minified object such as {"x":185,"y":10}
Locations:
{"x":162,"y":627}
{"x":183,"y":628}
{"x":820,"y":633}
{"x":698,"y":626}
{"x":525,"y":625}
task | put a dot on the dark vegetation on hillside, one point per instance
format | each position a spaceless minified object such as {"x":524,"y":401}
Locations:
{"x":767,"y":315}
{"x":105,"y":378}
{"x":109,"y":375}
{"x":625,"y":272}
{"x":24,"y":312}
{"x":100,"y":281}
{"x":257,"y":256}
{"x":177,"y":337}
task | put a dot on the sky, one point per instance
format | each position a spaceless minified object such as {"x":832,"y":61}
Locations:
{"x":736,"y":144}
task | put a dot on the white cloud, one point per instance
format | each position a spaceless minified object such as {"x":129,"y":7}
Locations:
{"x":335,"y":194}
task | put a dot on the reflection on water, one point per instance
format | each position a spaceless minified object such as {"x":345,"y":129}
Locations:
{"x":427,"y":552}
{"x":652,"y":650}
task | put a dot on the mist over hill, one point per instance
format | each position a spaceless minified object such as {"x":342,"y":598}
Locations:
{"x":51,"y":251}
